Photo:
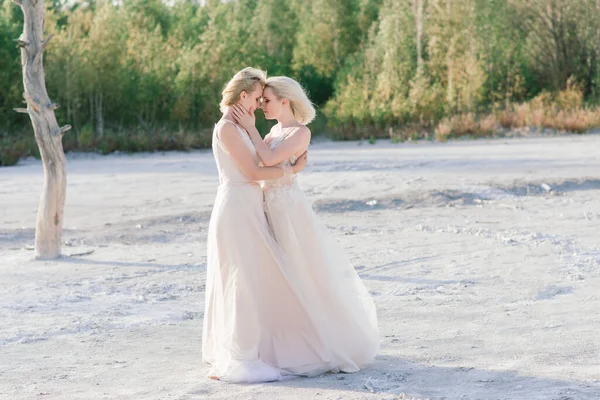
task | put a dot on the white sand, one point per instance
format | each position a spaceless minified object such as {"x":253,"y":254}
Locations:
{"x":483,"y":258}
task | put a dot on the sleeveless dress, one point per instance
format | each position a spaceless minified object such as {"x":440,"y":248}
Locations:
{"x":256,"y":327}
{"x":339,"y":304}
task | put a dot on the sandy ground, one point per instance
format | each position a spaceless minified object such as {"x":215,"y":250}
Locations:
{"x":483,"y":258}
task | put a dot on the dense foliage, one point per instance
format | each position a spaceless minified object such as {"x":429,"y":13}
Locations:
{"x":146,"y":74}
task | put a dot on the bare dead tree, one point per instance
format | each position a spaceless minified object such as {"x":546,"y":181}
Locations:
{"x":48,"y":134}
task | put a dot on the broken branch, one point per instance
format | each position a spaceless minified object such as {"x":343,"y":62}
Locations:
{"x":45,"y":42}
{"x":64,"y":129}
{"x":21,"y":43}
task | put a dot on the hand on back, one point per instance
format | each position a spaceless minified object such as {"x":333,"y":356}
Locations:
{"x":301,"y":162}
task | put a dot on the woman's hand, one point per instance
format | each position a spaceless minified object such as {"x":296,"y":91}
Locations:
{"x":301,"y":162}
{"x":243,"y":117}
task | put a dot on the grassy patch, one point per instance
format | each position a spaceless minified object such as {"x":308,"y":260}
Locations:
{"x":14,"y":148}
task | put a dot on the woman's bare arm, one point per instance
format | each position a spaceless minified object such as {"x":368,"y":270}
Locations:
{"x":295,"y":143}
{"x":229,"y":135}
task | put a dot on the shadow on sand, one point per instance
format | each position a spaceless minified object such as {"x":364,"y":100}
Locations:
{"x":394,"y":378}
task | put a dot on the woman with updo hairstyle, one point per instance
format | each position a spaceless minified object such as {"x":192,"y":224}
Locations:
{"x":244,"y":263}
{"x":320,"y":273}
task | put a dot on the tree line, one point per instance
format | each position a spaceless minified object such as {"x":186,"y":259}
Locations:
{"x":143,"y":74}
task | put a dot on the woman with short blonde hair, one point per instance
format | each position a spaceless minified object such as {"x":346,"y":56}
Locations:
{"x":244,"y":263}
{"x":246,"y":81}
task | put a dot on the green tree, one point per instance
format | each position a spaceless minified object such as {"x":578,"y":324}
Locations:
{"x":11,"y":90}
{"x":328,"y":32}
{"x":374,"y":87}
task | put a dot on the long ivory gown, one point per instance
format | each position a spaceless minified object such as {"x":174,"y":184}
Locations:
{"x":257,"y":326}
{"x":339,"y":304}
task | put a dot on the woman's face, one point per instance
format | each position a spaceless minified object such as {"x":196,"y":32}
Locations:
{"x":251,"y":101}
{"x":271,"y":105}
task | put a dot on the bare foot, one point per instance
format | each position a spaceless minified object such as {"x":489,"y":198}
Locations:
{"x":216,"y":378}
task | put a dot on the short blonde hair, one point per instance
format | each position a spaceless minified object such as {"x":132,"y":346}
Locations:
{"x":243,"y":81}
{"x":287,"y":88}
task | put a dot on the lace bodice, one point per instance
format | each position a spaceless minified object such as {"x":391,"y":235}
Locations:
{"x":276,"y":141}
{"x":285,"y":180}
{"x":285,"y":188}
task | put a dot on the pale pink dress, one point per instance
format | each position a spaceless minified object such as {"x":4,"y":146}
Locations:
{"x":325,"y":281}
{"x":261,"y":322}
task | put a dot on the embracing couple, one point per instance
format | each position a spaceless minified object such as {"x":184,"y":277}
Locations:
{"x":282,"y":298}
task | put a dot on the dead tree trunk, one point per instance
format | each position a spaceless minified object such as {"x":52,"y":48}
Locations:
{"x":48,"y":134}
